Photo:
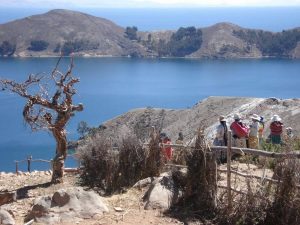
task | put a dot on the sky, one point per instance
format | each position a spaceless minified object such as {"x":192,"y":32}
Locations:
{"x":145,"y":3}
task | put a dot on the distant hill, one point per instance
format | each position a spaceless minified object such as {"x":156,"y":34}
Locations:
{"x":225,"y":40}
{"x":67,"y":31}
{"x":64,"y":32}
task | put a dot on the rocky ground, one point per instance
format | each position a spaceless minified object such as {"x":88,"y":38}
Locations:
{"x":126,"y":208}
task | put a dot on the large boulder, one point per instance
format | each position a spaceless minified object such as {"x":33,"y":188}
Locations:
{"x":69,"y":205}
{"x":163,"y":192}
{"x":6,"y":218}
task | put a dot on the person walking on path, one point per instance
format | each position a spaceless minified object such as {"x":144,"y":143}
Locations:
{"x":254,"y":132}
{"x":276,"y":128}
{"x":221,"y":135}
{"x":239,"y":132}
{"x":167,"y":151}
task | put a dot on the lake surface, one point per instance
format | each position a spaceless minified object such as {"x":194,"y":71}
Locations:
{"x":112,"y":86}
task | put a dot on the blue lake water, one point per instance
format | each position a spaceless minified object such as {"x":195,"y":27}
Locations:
{"x":112,"y":86}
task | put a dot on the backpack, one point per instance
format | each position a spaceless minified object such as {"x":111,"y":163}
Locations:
{"x":239,"y":129}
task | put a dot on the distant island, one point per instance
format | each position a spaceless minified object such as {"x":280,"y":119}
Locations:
{"x":64,"y":32}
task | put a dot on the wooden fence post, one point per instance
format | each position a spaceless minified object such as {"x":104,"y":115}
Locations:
{"x":229,"y":145}
{"x":29,"y":158}
{"x":17,"y":167}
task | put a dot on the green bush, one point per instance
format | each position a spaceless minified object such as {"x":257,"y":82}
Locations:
{"x":271,"y":44}
{"x":7,"y":49}
{"x":57,"y":48}
{"x":185,"y":41}
{"x":131,"y":33}
{"x":38,"y":45}
{"x":77,"y":46}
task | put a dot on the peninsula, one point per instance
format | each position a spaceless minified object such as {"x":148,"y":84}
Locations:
{"x":64,"y":32}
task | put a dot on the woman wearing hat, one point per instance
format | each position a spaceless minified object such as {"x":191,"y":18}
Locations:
{"x":221,"y":135}
{"x":239,"y":132}
{"x":276,"y":129}
{"x":254,"y":134}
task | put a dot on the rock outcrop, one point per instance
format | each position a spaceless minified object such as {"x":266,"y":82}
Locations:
{"x":71,"y":205}
{"x":162,"y":193}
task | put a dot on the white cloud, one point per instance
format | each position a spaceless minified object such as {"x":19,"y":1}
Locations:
{"x":144,"y":3}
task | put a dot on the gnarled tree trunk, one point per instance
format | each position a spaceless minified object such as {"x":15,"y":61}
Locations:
{"x":60,"y":157}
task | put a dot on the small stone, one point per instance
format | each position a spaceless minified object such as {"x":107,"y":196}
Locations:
{"x":61,"y":197}
{"x":97,"y":216}
{"x":20,"y":173}
{"x":7,"y":197}
{"x":118,"y":209}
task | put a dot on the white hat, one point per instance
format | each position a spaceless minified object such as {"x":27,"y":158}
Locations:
{"x":236,"y":117}
{"x":255,"y":117}
{"x":275,"y":118}
{"x":222,"y":118}
{"x":289,"y":128}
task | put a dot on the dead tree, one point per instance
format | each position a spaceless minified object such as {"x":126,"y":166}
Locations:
{"x":49,"y":106}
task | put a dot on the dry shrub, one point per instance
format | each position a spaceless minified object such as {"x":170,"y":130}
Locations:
{"x":154,"y":162}
{"x":201,"y":188}
{"x":132,"y":159}
{"x":113,"y":169}
{"x":285,"y":208}
{"x":247,"y":209}
{"x":99,"y":164}
{"x":266,"y":203}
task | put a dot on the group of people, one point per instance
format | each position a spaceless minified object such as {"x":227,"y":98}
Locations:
{"x":243,"y":135}
{"x":251,"y":136}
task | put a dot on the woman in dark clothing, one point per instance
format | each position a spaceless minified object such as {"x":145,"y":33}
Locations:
{"x":276,"y":127}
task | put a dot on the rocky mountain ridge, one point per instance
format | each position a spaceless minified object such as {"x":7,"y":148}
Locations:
{"x":139,"y":122}
{"x":69,"y":32}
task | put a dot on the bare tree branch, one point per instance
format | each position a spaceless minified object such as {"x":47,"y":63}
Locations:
{"x":43,"y":111}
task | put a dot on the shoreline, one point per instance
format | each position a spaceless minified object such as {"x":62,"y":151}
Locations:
{"x":147,"y":58}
